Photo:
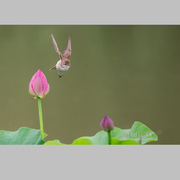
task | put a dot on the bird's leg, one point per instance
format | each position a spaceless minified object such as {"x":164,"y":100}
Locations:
{"x":60,"y":75}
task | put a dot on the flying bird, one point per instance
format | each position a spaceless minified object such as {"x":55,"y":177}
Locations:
{"x":64,"y":63}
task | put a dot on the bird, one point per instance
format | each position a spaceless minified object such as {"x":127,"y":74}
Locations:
{"x":64,"y":63}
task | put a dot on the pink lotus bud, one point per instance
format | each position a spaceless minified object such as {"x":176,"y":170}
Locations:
{"x":38,"y":85}
{"x":107,"y":124}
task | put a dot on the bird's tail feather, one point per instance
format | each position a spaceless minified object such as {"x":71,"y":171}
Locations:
{"x":53,"y":68}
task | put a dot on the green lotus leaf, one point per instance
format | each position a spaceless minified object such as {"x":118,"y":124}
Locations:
{"x":138,"y":134}
{"x":53,"y":142}
{"x":23,"y":136}
{"x":82,"y":141}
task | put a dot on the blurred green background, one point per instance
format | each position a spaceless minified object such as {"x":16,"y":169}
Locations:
{"x":127,"y":72}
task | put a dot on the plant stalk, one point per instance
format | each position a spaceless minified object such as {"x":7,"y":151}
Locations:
{"x":40,"y":117}
{"x":109,"y":137}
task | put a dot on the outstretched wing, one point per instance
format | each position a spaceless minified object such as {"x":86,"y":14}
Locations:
{"x":67,"y":52}
{"x":56,"y":47}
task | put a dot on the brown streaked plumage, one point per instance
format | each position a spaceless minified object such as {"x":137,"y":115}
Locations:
{"x":64,"y":63}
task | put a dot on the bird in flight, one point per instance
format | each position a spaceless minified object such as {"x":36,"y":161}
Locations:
{"x":64,"y":63}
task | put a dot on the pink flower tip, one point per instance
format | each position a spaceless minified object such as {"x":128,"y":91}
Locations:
{"x":107,"y":124}
{"x":38,"y":86}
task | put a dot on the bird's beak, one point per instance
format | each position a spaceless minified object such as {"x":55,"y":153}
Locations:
{"x":69,"y":65}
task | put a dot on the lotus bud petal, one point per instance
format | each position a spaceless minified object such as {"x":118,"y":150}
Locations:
{"x":106,"y":124}
{"x":38,"y":85}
